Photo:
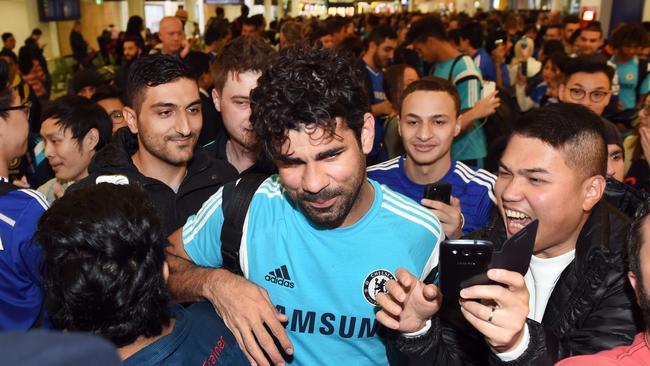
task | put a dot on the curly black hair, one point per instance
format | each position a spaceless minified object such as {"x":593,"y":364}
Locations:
{"x":103,"y":263}
{"x":307,"y":87}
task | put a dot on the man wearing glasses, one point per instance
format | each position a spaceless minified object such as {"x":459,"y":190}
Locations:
{"x":109,"y":99}
{"x":588,"y":81}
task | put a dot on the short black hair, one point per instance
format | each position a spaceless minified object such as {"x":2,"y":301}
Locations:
{"x":571,"y":128}
{"x":570,"y":19}
{"x":80,"y":115}
{"x":220,"y":11}
{"x":256,"y":20}
{"x":426,"y":27}
{"x":104,"y":252}
{"x":335,"y":24}
{"x":37,"y":32}
{"x":6,"y":91}
{"x":380,"y":33}
{"x":150,"y":71}
{"x":473,"y":32}
{"x":198,"y":62}
{"x":551,"y":26}
{"x":553,"y":46}
{"x":628,"y":35}
{"x":307,"y":87}
{"x":594,"y":26}
{"x":217,"y":31}
{"x":6,"y":36}
{"x":591,"y":64}
{"x":106,"y":92}
{"x":134,"y":39}
{"x":434,"y":84}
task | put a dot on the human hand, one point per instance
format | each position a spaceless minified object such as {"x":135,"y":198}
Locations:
{"x":501,"y":315}
{"x":488,"y":105}
{"x":450,"y":216}
{"x":408,"y":304}
{"x":21,"y":183}
{"x":246,"y":309}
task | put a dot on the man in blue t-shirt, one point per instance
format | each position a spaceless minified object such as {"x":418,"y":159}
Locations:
{"x":428,"y":123}
{"x":626,"y":40}
{"x":320,"y":239}
{"x":21,"y":296}
{"x":382,"y":42}
{"x":430,"y":40}
{"x":105,"y":272}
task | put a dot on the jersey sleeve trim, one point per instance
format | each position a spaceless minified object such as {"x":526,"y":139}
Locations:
{"x":38,"y":196}
{"x":195,"y":223}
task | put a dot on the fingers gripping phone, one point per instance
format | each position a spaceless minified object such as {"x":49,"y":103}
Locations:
{"x":440,"y":191}
{"x":464,"y":263}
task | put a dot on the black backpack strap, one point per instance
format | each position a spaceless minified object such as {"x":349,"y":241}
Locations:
{"x":236,"y":198}
{"x":643,"y":72}
{"x":451,"y":70}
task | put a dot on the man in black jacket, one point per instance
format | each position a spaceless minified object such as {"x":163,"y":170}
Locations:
{"x":574,"y":299}
{"x":158,"y":149}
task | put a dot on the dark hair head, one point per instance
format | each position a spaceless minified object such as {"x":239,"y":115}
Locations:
{"x":85,"y":78}
{"x":570,"y":19}
{"x":552,"y":47}
{"x":106,"y":92}
{"x":219,"y":11}
{"x":80,"y":115}
{"x":552,"y":26}
{"x":256,"y":20}
{"x":244,"y":10}
{"x":334,"y":25}
{"x":427,"y":27}
{"x":244,"y":53}
{"x":292,"y":32}
{"x":631,"y":35}
{"x":434,"y":84}
{"x":217,"y":31}
{"x":494,"y":39}
{"x":572,"y":129}
{"x":134,"y":25}
{"x":151,"y":71}
{"x":198,"y":62}
{"x":103,"y":263}
{"x":6,"y":36}
{"x":37,"y":32}
{"x":134,"y":39}
{"x":593,"y":27}
{"x":473,"y":32}
{"x":591,"y":64}
{"x":394,"y":82}
{"x":307,"y":87}
{"x":380,"y":33}
{"x":353,"y":47}
{"x":6,"y":92}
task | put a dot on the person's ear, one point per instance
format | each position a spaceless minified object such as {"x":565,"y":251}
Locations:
{"x":131,"y":119}
{"x":594,"y":188}
{"x":216,"y":99}
{"x":372,"y":47}
{"x":367,"y":133}
{"x":91,"y":139}
{"x":560,"y":92}
{"x":399,"y":127}
{"x":165,"y":271}
{"x":633,"y":280}
{"x":459,"y":125}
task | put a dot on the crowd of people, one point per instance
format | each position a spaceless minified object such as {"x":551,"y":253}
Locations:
{"x":256,"y":195}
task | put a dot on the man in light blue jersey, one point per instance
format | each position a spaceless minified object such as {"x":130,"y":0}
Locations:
{"x":320,"y":240}
{"x":632,"y":72}
{"x":428,"y":123}
{"x":430,"y":40}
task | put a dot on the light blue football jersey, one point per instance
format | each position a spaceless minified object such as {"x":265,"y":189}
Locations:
{"x":325,"y":280}
{"x":628,"y":77}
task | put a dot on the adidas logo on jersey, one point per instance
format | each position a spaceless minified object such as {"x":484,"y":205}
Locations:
{"x":280,"y":276}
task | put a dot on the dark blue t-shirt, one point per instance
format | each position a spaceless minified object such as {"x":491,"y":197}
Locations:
{"x":199,"y":338}
{"x":474,"y":188}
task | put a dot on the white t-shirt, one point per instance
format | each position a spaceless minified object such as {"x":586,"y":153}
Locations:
{"x":541,"y":279}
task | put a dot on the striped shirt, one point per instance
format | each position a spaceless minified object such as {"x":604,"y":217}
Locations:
{"x":325,"y":280}
{"x":474,"y":188}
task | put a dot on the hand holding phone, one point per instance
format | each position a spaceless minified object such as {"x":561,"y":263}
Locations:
{"x":440,"y":191}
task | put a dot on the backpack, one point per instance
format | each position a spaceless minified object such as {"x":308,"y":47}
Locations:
{"x":236,"y":198}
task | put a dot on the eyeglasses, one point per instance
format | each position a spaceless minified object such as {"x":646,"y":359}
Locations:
{"x":117,"y":117}
{"x":27,"y":107}
{"x":595,"y":95}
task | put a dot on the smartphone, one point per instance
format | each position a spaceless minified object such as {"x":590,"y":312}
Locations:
{"x":463,"y":263}
{"x":524,"y":68}
{"x":440,"y":191}
{"x":488,"y":88}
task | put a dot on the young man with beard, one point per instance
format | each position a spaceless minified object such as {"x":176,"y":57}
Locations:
{"x":131,"y":51}
{"x":428,"y":122}
{"x":235,"y":71}
{"x":638,"y":253}
{"x":575,"y":293}
{"x":158,"y":149}
{"x":319,"y":240}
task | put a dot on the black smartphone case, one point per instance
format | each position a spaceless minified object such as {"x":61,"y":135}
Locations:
{"x":440,"y":191}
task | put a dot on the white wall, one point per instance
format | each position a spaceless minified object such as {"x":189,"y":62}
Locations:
{"x":20,"y":17}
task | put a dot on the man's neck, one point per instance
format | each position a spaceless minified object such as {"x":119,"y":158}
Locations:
{"x":429,"y":173}
{"x":620,"y":59}
{"x":142,"y":342}
{"x":362,"y":205}
{"x":471,"y":51}
{"x":565,"y":247}
{"x":152,"y":167}
{"x":368,"y":59}
{"x":4,"y":167}
{"x":239,"y":156}
{"x":448,"y":51}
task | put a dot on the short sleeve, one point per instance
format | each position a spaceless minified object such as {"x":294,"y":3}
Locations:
{"x":202,"y":233}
